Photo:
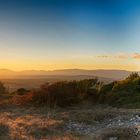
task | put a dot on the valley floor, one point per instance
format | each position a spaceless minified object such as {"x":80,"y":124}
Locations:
{"x":77,"y":123}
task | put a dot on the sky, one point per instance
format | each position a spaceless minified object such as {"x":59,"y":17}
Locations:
{"x":67,"y":34}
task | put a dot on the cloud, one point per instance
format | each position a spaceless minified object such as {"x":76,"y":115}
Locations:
{"x":122,"y":56}
{"x":136,"y":56}
{"x":104,"y":56}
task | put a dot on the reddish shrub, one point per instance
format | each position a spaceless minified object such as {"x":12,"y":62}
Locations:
{"x":22,"y":99}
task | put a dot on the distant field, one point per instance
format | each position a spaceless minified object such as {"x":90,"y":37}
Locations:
{"x":35,"y":81}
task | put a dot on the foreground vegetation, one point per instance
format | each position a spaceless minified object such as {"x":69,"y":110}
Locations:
{"x":124,"y":93}
{"x":75,"y":123}
{"x":72,"y":110}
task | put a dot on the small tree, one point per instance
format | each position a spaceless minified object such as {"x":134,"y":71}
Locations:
{"x":133,"y":76}
{"x":22,"y":91}
{"x":2,"y":88}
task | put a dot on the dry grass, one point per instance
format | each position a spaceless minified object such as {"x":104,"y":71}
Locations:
{"x":88,"y":115}
{"x":4,"y":131}
{"x":31,"y":124}
{"x":119,"y":134}
{"x":27,"y":123}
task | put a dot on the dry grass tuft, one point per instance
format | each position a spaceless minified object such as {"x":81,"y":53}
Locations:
{"x":119,"y":134}
{"x":4,"y":131}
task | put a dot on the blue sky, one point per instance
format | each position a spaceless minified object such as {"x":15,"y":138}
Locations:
{"x":55,"y":34}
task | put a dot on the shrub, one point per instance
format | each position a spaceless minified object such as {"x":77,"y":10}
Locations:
{"x":122,"y":93}
{"x":118,"y":93}
{"x":64,"y":93}
{"x":23,"y":99}
{"x":2,"y":88}
{"x":22,"y":91}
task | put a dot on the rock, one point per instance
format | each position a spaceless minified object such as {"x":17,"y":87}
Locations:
{"x":113,"y":138}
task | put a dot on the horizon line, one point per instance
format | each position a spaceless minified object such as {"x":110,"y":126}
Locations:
{"x":49,"y":70}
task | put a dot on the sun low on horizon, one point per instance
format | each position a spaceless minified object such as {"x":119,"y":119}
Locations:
{"x":60,"y":34}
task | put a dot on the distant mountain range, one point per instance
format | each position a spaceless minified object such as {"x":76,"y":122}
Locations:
{"x":112,"y":74}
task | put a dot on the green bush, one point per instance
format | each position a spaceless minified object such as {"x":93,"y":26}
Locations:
{"x":122,"y":93}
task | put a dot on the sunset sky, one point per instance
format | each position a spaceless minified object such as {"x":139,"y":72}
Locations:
{"x":61,"y":34}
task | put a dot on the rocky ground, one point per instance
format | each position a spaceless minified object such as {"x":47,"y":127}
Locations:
{"x":81,"y":123}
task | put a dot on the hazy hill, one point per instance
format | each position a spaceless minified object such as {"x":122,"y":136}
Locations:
{"x":113,"y":74}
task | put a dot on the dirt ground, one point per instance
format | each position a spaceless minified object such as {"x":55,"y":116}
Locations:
{"x":75,"y":123}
